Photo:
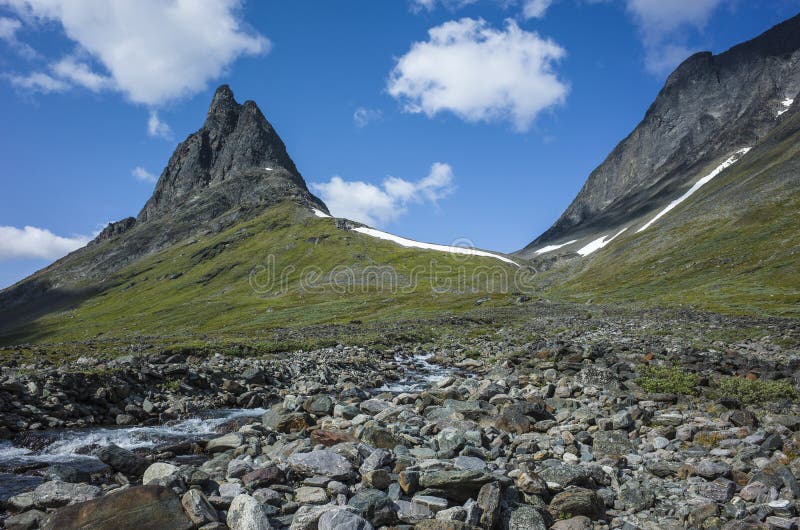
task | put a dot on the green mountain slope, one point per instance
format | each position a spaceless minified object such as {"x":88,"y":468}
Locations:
{"x":734,"y":246}
{"x":285,"y":267}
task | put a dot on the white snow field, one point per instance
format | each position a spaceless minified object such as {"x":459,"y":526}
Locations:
{"x":699,"y":184}
{"x":402,"y":241}
{"x":551,"y":248}
{"x":405,"y":242}
{"x":786,"y":103}
{"x":598,"y":243}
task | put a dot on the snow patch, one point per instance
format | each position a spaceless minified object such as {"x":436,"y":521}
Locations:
{"x":551,"y":248}
{"x":599,"y":243}
{"x":402,"y":241}
{"x":786,"y":103}
{"x":269,"y":169}
{"x":319,"y":213}
{"x":699,"y":184}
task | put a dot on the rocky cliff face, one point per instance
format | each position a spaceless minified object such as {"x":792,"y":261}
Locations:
{"x":709,"y":107}
{"x":235,"y":141}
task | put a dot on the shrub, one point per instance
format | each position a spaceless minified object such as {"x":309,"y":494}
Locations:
{"x":756,"y":391}
{"x":668,"y":379}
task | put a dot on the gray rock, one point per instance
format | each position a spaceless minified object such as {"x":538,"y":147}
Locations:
{"x":198,"y":508}
{"x":30,"y":520}
{"x":137,"y":507}
{"x":158,"y":471}
{"x":375,"y":506}
{"x":246,"y":513}
{"x":54,"y":494}
{"x":526,"y":517}
{"x":122,"y":460}
{"x":608,"y":443}
{"x":342,"y":520}
{"x":225,"y":443}
{"x":324,"y":462}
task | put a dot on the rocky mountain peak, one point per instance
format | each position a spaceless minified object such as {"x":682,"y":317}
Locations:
{"x":236,"y":139}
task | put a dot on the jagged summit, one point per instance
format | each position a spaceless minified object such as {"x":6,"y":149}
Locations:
{"x":236,"y":140}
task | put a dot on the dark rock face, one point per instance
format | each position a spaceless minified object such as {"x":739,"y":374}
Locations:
{"x":710,"y":106}
{"x":236,"y":142}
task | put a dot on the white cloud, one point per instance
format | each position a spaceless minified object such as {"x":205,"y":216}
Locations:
{"x":140,"y":173}
{"x":153,"y":50}
{"x":480,"y":73}
{"x":662,"y":26}
{"x":376,"y":205}
{"x":39,"y":82}
{"x":535,"y":8}
{"x":79,"y":73}
{"x":8,"y":34}
{"x":363,"y":116}
{"x":430,"y":5}
{"x":158,"y":128}
{"x":32,"y":242}
{"x":9,"y":28}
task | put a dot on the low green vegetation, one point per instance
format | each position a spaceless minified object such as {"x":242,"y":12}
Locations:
{"x":756,"y":391}
{"x":282,"y":269}
{"x":668,"y":379}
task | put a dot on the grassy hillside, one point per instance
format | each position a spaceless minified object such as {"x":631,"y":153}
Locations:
{"x":732,"y":247}
{"x":282,"y":268}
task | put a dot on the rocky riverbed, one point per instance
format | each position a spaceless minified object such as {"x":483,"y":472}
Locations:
{"x":592,"y":427}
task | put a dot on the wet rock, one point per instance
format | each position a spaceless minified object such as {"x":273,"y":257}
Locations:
{"x":137,"y":507}
{"x":122,"y":460}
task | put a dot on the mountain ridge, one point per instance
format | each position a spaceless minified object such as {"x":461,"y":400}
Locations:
{"x":709,"y":107}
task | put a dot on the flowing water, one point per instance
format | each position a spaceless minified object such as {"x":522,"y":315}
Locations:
{"x":74,"y":446}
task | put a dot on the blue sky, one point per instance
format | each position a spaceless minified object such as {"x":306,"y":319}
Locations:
{"x":433,"y":119}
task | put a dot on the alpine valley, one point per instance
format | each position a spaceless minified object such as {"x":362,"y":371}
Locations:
{"x":235,"y":356}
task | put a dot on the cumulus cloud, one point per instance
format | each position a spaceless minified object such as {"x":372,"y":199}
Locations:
{"x":480,"y":73}
{"x":376,"y":205}
{"x":32,"y":242}
{"x":662,"y":27}
{"x":363,"y":116}
{"x":158,"y":128}
{"x":141,"y":174}
{"x":152,"y":50}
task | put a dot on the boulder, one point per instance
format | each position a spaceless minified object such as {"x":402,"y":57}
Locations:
{"x":198,"y":508}
{"x":246,"y":513}
{"x":158,"y":471}
{"x":225,"y":443}
{"x":342,"y":520}
{"x":122,"y":460}
{"x":55,"y":493}
{"x":139,"y":507}
{"x":324,"y":462}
